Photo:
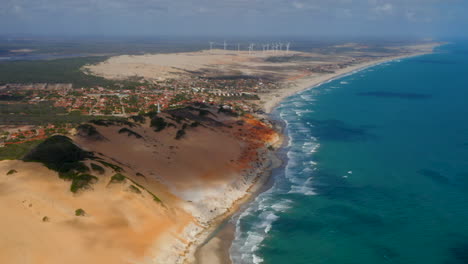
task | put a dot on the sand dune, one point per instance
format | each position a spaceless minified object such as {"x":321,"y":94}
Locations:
{"x":119,"y":226}
{"x":196,"y":179}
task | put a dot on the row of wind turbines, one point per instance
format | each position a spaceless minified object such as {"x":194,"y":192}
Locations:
{"x":274,"y":47}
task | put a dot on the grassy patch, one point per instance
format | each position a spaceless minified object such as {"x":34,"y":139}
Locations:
{"x":59,"y":153}
{"x":112,"y":122}
{"x":112,"y":166}
{"x":89,"y":131}
{"x":180,"y":133}
{"x":158,"y":123}
{"x":155,"y":198}
{"x":17,"y":151}
{"x":10,"y":172}
{"x":134,"y":189}
{"x":97,"y":168}
{"x":117,"y":178}
{"x":139,"y":119}
{"x":129,"y":132}
{"x":80,"y":212}
{"x":82,"y":181}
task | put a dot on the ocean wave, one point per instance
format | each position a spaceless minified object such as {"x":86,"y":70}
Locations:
{"x":301,"y":189}
{"x":264,"y":212}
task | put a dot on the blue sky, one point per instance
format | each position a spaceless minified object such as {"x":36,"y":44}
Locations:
{"x":420,"y":18}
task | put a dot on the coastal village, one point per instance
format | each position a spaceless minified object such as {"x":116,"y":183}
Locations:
{"x":239,"y":95}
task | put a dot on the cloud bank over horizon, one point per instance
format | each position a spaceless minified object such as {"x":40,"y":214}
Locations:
{"x":423,"y":18}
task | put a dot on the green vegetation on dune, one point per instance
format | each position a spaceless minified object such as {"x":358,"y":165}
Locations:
{"x":158,"y":123}
{"x":112,"y":166}
{"x":134,"y":189}
{"x":180,"y":133}
{"x":97,"y":168}
{"x":17,"y":151}
{"x":112,"y":122}
{"x":138,"y":118}
{"x":59,"y":153}
{"x":82,"y":181}
{"x":87,"y":130}
{"x":80,"y":212}
{"x":12,"y":171}
{"x":117,"y":178}
{"x":129,"y":132}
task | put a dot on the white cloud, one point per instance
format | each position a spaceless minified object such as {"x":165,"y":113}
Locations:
{"x":385,"y":9}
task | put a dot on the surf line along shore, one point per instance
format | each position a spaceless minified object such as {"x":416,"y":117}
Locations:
{"x":214,"y":242}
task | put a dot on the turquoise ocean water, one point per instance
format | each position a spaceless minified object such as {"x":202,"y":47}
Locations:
{"x":377,"y":170}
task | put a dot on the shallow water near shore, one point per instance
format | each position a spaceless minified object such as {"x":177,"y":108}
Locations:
{"x":377,"y":170}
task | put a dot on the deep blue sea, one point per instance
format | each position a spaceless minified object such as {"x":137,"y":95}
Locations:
{"x":376,"y":172}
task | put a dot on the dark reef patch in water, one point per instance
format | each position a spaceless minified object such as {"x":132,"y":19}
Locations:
{"x":345,"y":215}
{"x":460,"y":252}
{"x":337,"y":130}
{"x":385,"y":94}
{"x":434,"y":175}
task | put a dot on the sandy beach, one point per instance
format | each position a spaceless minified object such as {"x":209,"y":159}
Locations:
{"x":271,"y":100}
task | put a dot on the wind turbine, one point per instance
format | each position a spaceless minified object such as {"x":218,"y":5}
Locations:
{"x":251,"y":48}
{"x":287,"y":47}
{"x":211,"y":45}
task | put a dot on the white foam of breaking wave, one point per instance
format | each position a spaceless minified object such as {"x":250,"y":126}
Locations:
{"x":299,"y":104}
{"x":282,"y":205}
{"x":308,"y":98}
{"x":303,"y":188}
{"x":300,"y":112}
{"x":298,"y":171}
{"x":310,"y":147}
{"x":308,"y":191}
{"x":265,"y":210}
